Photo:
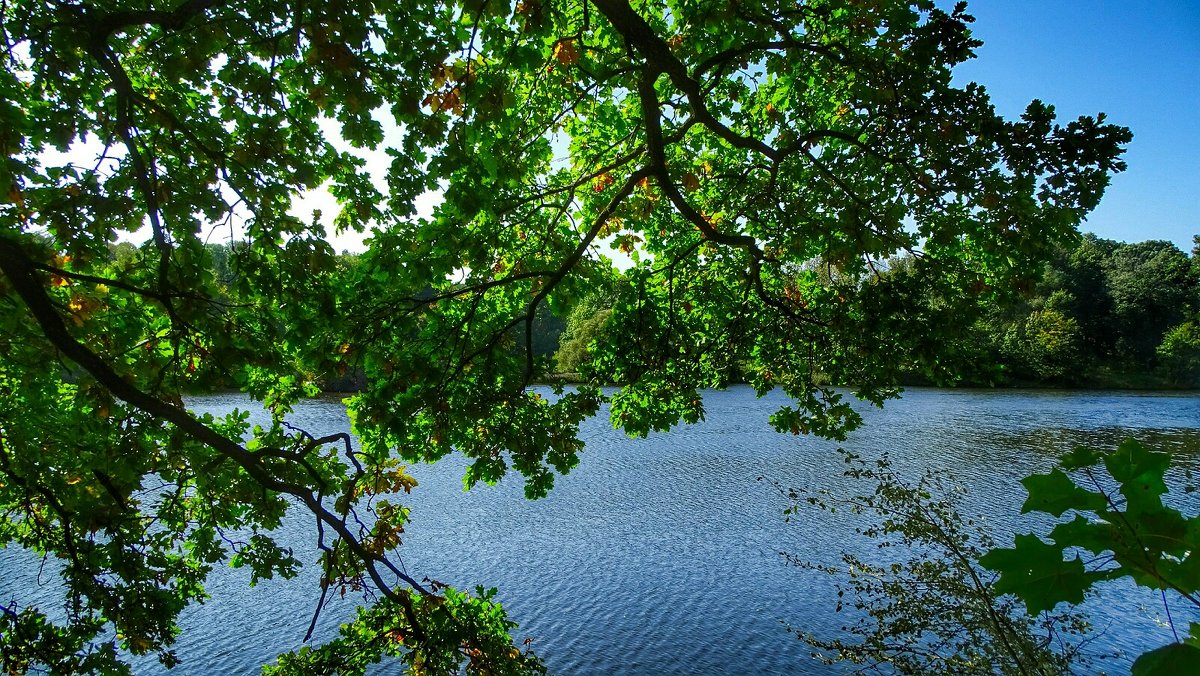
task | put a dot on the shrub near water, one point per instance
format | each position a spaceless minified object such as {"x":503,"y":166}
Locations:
{"x":922,"y":603}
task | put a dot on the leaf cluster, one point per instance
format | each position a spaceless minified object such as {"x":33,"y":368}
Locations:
{"x":1122,"y":522}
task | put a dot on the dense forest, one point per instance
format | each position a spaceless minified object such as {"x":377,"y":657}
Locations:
{"x":1102,"y":314}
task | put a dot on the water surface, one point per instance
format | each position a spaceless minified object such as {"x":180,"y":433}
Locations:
{"x":662,"y":555}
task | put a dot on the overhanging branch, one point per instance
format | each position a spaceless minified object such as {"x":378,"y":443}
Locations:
{"x":23,"y":277}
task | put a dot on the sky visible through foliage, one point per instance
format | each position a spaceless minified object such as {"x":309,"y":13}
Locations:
{"x":1136,"y":62}
{"x":1139,"y":62}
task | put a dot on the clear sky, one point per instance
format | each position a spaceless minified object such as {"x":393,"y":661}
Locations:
{"x":1136,"y":60}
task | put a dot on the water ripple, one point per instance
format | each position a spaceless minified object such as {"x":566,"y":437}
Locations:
{"x":661,"y":556}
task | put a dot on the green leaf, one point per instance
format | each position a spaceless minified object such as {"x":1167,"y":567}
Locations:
{"x":1140,"y":473}
{"x":1096,"y":537}
{"x":1055,"y":493}
{"x":1079,"y":457}
{"x":1038,"y":575}
{"x":1176,"y":659}
{"x":1133,"y":461}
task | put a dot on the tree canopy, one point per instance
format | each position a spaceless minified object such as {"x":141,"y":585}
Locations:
{"x":1105,"y":314}
{"x":758,"y":161}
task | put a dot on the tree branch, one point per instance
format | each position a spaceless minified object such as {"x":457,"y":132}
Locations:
{"x":23,"y":277}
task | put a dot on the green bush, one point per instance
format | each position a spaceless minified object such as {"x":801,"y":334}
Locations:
{"x":1179,"y":355}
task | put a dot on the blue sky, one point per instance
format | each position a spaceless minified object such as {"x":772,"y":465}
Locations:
{"x":1137,"y":61}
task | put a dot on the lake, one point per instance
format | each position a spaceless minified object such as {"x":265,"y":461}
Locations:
{"x":662,"y":555}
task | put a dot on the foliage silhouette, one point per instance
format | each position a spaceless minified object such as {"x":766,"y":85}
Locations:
{"x":1122,"y":521}
{"x":922,"y":603}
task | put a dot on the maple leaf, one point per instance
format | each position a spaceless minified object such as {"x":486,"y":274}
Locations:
{"x":566,"y":53}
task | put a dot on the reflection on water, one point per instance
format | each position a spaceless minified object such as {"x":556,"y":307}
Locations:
{"x":662,"y":555}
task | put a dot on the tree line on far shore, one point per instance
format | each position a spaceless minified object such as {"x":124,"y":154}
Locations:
{"x":1103,"y":314}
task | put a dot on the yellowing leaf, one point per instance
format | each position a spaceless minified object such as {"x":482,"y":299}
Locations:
{"x":566,"y":53}
{"x":601,"y":182}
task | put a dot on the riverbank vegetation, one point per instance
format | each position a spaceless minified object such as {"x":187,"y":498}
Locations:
{"x":1099,"y":314}
{"x":919,"y":601}
{"x":1103,"y":314}
{"x":939,"y":595}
